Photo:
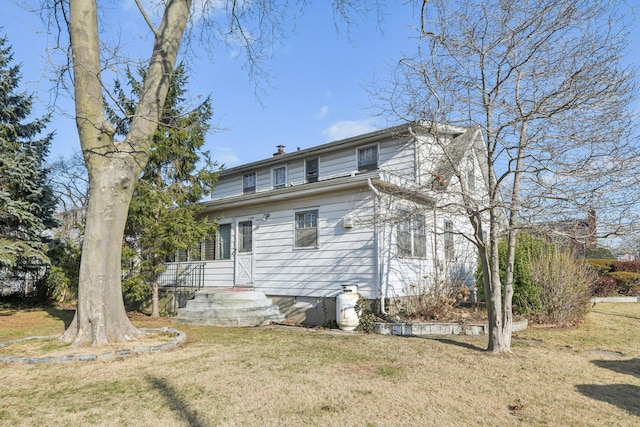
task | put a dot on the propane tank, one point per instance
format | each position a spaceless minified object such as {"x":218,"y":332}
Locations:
{"x":346,"y":315}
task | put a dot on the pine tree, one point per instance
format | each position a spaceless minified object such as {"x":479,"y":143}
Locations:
{"x":164,"y":214}
{"x":26,"y":201}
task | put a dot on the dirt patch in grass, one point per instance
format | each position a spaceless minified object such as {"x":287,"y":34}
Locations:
{"x":276,"y":376}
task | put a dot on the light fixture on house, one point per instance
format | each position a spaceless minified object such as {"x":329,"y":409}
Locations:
{"x":265,"y":216}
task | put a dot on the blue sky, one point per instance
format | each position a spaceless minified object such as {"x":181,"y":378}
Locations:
{"x":315,"y":94}
{"x":317,"y":81}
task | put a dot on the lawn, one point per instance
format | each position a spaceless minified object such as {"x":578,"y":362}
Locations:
{"x":588,"y":375}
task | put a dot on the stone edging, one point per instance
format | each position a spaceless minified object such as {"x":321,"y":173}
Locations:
{"x":435,"y":328}
{"x":89,"y":357}
{"x":615,"y":299}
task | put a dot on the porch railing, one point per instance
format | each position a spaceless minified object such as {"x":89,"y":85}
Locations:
{"x":184,"y":279}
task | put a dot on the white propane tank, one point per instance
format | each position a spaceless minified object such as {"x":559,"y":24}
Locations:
{"x":346,"y":315}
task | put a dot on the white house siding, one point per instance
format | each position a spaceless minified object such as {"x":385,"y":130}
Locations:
{"x":399,"y":274}
{"x":365,"y":254}
{"x":398,"y":157}
{"x":227,"y":186}
{"x":295,"y":171}
{"x":345,"y":256}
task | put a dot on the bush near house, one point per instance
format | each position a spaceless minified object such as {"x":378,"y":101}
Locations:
{"x":616,"y":278}
{"x":550,"y":284}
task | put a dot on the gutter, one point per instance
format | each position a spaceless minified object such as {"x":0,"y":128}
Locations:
{"x":288,"y":193}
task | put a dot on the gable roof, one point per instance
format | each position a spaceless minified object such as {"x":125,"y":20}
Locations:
{"x":454,"y":153}
{"x":395,"y":132}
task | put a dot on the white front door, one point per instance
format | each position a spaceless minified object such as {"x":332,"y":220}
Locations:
{"x":244,"y":253}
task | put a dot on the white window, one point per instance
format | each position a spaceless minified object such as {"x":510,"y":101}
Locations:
{"x":311,"y":169}
{"x":279,"y":177}
{"x":412,"y":236}
{"x":368,"y":158}
{"x":306,"y":225}
{"x":182,"y":256}
{"x":249,"y":183}
{"x":220,"y":246}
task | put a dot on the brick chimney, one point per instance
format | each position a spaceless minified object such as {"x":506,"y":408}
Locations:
{"x":280,"y":151}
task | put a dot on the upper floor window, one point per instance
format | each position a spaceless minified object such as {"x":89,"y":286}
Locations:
{"x":368,"y":158}
{"x":306,"y":225}
{"x":279,"y":177}
{"x":311,"y":170}
{"x":249,"y":183}
{"x":412,"y":236}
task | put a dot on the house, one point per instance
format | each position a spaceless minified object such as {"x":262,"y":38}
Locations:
{"x":576,"y":234}
{"x":373,"y":211}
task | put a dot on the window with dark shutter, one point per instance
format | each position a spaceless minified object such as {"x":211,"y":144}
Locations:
{"x":368,"y":158}
{"x":311,"y":170}
{"x":249,"y":183}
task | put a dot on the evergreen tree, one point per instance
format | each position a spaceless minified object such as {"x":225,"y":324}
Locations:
{"x":26,"y":201}
{"x":164,"y":214}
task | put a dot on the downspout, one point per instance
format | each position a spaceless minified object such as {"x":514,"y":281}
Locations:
{"x":436,"y":260}
{"x":379,"y":242}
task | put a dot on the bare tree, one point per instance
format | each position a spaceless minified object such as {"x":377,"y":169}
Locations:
{"x":543,"y":81}
{"x":70,"y":184}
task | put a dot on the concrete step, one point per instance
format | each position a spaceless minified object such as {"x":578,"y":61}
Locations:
{"x":229,"y":307}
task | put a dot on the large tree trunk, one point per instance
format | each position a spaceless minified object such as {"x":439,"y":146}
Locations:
{"x":114,"y":167}
{"x":100,"y":317}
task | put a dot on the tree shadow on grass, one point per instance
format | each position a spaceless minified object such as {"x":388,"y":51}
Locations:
{"x":66,"y":315}
{"x":625,"y":396}
{"x":629,"y":367}
{"x":177,"y":404}
{"x":463,"y":344}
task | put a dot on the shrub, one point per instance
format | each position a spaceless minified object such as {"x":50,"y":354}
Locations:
{"x":431,"y":300}
{"x":61,"y":280}
{"x":604,"y":286}
{"x":602,"y":266}
{"x":616,"y":277}
{"x":563,"y":283}
{"x":629,"y":266}
{"x":366,"y":317}
{"x":525,"y":293}
{"x":627,"y":282}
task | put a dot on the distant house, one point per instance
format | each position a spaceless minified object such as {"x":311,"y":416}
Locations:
{"x":577,"y":234}
{"x":370,"y":210}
